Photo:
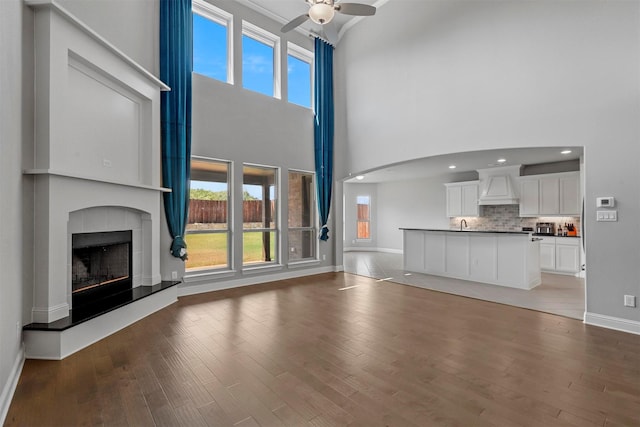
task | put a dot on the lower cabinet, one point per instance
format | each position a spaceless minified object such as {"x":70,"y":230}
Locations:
{"x":560,"y":254}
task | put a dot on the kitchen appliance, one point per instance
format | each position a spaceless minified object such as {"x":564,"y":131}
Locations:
{"x":545,"y":228}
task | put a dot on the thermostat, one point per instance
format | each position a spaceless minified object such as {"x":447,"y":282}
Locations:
{"x":605,"y":202}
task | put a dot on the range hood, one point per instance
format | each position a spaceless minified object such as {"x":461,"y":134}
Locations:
{"x":499,"y":186}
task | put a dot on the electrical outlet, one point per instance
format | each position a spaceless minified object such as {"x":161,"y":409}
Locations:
{"x":324,"y":257}
{"x":629,"y":301}
{"x":293,"y":250}
{"x":106,"y":163}
{"x":174,"y":275}
{"x":18,"y":331}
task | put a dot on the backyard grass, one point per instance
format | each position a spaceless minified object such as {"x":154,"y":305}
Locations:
{"x":210,"y":250}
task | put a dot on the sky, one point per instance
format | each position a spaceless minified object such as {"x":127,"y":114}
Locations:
{"x":210,"y":59}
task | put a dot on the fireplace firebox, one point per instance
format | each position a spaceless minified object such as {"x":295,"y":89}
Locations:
{"x":101,"y":266}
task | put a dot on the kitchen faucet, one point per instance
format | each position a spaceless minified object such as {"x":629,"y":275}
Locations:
{"x":465,"y":224}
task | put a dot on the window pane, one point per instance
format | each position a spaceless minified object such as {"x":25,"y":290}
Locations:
{"x":208,"y":211}
{"x":209,"y":48}
{"x":301,"y":201}
{"x":207,"y":250}
{"x":363,"y":230}
{"x":257,"y":66}
{"x":259,"y":197}
{"x":302,"y":244}
{"x":258,"y":247}
{"x":299,"y":79}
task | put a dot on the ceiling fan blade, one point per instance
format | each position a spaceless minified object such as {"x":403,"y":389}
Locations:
{"x":330,"y":33}
{"x":357,"y":9}
{"x":294,"y":23}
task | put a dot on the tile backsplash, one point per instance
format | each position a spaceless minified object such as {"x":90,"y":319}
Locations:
{"x":505,"y":218}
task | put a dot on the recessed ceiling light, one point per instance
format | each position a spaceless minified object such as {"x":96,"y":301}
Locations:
{"x":452,"y":166}
{"x":502,"y":160}
{"x":360,"y":177}
{"x":565,"y":152}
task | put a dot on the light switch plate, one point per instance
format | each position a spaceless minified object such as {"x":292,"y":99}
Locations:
{"x":607,"y":216}
{"x":629,"y":301}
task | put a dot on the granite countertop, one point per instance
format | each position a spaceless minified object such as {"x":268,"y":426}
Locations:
{"x":468,"y":231}
{"x":549,"y":235}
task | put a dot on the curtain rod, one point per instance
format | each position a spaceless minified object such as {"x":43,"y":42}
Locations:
{"x":314,"y":35}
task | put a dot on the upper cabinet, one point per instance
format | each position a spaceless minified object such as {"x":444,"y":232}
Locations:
{"x":555,"y":194}
{"x":462,"y":199}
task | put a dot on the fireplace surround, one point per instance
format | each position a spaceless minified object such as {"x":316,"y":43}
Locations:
{"x":95,"y":169}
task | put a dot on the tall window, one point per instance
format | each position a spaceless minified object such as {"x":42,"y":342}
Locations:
{"x":212,"y":41}
{"x":207,"y":234}
{"x":302,"y":231}
{"x":259,"y":215}
{"x":364,"y":217}
{"x":260,"y":60}
{"x":299,"y":62}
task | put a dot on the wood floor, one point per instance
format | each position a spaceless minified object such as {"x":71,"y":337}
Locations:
{"x":309,"y":352}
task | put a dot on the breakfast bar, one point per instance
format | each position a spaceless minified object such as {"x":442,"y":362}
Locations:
{"x":504,"y":258}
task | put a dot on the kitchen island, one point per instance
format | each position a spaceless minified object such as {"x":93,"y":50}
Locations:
{"x":505,"y":258}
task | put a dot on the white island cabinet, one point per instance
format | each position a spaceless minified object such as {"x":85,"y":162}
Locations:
{"x":500,"y":258}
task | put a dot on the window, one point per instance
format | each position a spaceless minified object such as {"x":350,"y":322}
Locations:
{"x":260,"y":60}
{"x":299,"y":62}
{"x":364,"y":217}
{"x":302,"y":231}
{"x":259,"y":215}
{"x":212,"y":42}
{"x":207,"y":234}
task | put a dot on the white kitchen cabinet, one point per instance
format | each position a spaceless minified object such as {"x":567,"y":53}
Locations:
{"x":462,"y":199}
{"x":560,"y":255}
{"x":570,"y":199}
{"x":548,"y":253}
{"x":507,"y":259}
{"x":555,"y":194}
{"x":567,"y":255}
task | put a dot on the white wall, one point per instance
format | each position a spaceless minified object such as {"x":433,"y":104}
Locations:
{"x":16,"y":217}
{"x":457,"y":76}
{"x":419,"y":203}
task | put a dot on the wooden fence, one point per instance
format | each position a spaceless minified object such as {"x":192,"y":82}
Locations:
{"x":215,"y":211}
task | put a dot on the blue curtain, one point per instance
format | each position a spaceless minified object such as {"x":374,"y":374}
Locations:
{"x":176,"y":63}
{"x":323,"y":129}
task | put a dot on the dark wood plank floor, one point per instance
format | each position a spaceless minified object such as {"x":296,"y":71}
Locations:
{"x":302,"y":352}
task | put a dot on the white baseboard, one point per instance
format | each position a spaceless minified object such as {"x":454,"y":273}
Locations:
{"x":370,"y":249}
{"x":10,"y":386}
{"x":192,"y":289}
{"x":609,"y":322}
{"x":338,"y":268}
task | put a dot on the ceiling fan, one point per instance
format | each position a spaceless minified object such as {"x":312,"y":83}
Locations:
{"x":322,"y":12}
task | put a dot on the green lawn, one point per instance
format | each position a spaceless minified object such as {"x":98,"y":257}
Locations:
{"x":210,"y":250}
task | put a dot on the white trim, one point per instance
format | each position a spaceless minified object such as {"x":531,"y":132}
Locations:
{"x":338,"y":268}
{"x":372,"y":249}
{"x":221,"y":17}
{"x":263,"y":36}
{"x":56,"y":345}
{"x":248,"y":281}
{"x":10,"y":386}
{"x":50,"y":314}
{"x":353,"y":21}
{"x":610,"y":322}
{"x":55,"y":6}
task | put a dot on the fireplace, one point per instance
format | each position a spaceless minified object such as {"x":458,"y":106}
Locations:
{"x":101,"y":267}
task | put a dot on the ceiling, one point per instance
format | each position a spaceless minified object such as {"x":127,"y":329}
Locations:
{"x":284,"y":11}
{"x":438,"y":166}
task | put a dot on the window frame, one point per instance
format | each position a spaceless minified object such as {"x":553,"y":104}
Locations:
{"x":365,"y":239}
{"x":314,"y":217}
{"x":229,"y":229}
{"x":224,"y":18}
{"x":277,"y":259}
{"x":263,"y":36}
{"x":303,"y":55}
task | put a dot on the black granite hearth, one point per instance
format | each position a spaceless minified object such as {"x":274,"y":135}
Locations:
{"x":100,"y":307}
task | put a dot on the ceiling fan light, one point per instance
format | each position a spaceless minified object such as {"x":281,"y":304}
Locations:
{"x":321,"y":13}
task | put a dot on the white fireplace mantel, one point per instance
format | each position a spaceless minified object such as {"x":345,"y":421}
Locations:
{"x":97,"y":152}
